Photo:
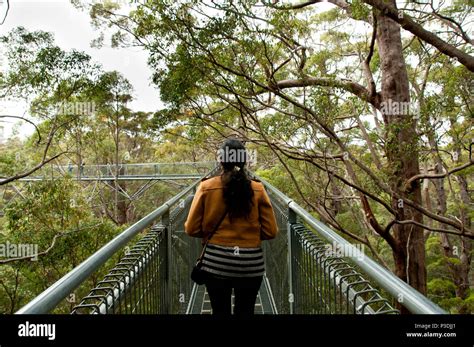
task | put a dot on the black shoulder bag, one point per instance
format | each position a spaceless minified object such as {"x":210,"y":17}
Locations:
{"x":198,"y":275}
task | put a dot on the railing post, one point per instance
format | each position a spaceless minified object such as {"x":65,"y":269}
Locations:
{"x":165,"y":220}
{"x":291,"y":295}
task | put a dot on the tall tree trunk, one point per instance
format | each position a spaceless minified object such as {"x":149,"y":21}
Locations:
{"x":121,"y":204}
{"x":78,"y":153}
{"x":428,"y":204}
{"x":402,"y":155}
{"x":117,"y":168}
{"x":465,"y":256}
{"x":466,"y":243}
{"x":459,"y":273}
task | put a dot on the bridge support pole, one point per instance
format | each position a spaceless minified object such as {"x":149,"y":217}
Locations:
{"x":291,"y":294}
{"x":168,"y":302}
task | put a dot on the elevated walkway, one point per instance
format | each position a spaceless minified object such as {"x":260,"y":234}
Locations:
{"x":152,"y":275}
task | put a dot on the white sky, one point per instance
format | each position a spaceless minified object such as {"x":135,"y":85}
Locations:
{"x":72,"y":29}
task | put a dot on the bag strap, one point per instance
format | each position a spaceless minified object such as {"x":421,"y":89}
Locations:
{"x":210,"y":236}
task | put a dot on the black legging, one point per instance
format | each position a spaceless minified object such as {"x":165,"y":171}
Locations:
{"x":245,"y":293}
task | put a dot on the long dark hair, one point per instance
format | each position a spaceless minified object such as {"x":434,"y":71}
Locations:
{"x":238,"y":192}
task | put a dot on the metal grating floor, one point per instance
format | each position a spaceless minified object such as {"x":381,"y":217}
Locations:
{"x":202,"y":304}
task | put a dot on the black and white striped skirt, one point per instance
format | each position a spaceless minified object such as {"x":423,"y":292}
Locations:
{"x":233,"y":261}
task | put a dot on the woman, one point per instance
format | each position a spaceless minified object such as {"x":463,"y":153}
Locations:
{"x":241,"y":211}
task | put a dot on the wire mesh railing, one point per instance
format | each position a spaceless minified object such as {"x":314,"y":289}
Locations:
{"x":149,"y":279}
{"x":276,"y":262}
{"x":321,"y":280}
{"x":306,"y":279}
{"x":133,"y":285}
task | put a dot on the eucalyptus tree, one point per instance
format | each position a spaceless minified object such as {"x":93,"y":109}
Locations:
{"x":52,"y":82}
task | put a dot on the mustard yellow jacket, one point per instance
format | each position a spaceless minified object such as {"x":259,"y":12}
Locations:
{"x":208,"y":207}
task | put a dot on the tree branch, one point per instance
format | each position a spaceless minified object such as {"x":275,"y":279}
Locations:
{"x":407,"y":23}
{"x":440,"y":175}
{"x":6,"y":12}
{"x":340,"y":3}
{"x":345,"y":84}
{"x":46,"y":251}
{"x":29,"y":172}
{"x":424,"y":226}
{"x":366,"y":63}
{"x":28,"y":121}
{"x":452,"y":24}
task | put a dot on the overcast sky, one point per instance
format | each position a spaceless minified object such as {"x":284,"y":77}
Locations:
{"x":72,"y":29}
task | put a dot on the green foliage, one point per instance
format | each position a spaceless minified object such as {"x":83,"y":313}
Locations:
{"x":182,"y":78}
{"x":439,"y":286}
{"x":36,"y":67}
{"x":54,"y":217}
{"x":360,"y":10}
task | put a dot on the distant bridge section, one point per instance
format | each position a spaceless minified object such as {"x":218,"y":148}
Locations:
{"x":123,"y":172}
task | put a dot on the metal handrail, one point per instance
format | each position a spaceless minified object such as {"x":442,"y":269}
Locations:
{"x":178,"y":163}
{"x":51,"y":297}
{"x":137,"y":171}
{"x":413,"y":300}
{"x":163,"y":177}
